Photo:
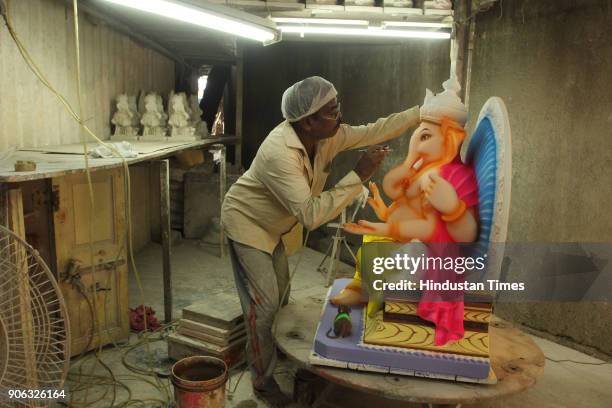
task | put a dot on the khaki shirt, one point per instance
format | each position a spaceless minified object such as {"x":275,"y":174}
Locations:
{"x":281,"y":187}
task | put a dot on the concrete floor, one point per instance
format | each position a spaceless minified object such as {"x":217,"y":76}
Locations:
{"x":198,"y":272}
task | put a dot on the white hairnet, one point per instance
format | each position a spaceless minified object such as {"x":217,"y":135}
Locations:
{"x":306,"y":97}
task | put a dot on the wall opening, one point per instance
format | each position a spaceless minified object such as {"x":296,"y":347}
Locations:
{"x":202,"y":81}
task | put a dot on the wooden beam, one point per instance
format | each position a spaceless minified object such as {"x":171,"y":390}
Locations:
{"x":462,"y":45}
{"x":4,"y":204}
{"x":239,"y":105}
{"x":164,"y":188}
{"x":467,"y":72}
{"x":25,"y":316}
{"x":222,"y":190}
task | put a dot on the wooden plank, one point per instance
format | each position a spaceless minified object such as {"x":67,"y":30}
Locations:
{"x":6,"y":67}
{"x":140,"y":208}
{"x":74,"y":132}
{"x":263,"y":5}
{"x":98,"y":107}
{"x":44,"y":23}
{"x":210,"y":339}
{"x":154,"y":200}
{"x":462,"y":48}
{"x":164,"y":187}
{"x":221,"y":335}
{"x":180,"y":346}
{"x":13,"y":78}
{"x":66,"y":76}
{"x":46,"y":29}
{"x":77,"y":148}
{"x":106,"y":97}
{"x":60,"y":165}
{"x":222,"y":191}
{"x":38,"y":218}
{"x":220,"y":310}
{"x":209,"y":348}
{"x":4,"y":215}
{"x":239,"y":104}
{"x":97,"y":300}
{"x":16,"y":224}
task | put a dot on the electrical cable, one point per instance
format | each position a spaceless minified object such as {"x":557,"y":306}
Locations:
{"x":95,"y":323}
{"x":30,"y":62}
{"x":578,"y":362}
{"x":87,"y":380}
{"x":230,"y":391}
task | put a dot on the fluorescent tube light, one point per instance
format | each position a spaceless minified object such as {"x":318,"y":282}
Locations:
{"x":204,"y":18}
{"x":326,"y":21}
{"x":364,"y":32}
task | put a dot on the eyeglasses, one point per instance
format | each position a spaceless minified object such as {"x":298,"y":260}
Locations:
{"x":336,"y":116}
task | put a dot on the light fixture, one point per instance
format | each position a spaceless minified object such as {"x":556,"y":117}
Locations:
{"x":210,"y":16}
{"x":363,"y":32}
{"x":324,"y":21}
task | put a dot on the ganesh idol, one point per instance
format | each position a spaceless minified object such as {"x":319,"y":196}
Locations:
{"x":433,"y":199}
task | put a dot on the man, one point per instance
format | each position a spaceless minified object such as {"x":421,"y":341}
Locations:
{"x":284,"y":186}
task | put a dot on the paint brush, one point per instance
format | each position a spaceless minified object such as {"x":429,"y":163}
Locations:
{"x":386,"y":148}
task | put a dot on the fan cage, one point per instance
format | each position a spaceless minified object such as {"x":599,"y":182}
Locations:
{"x":34,"y":327}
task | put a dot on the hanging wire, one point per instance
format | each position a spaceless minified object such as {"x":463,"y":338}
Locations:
{"x":35,"y":69}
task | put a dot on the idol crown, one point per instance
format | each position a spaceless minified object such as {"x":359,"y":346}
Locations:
{"x":446,"y":104}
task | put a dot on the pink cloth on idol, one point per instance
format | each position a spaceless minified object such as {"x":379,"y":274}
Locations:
{"x":445,"y":308}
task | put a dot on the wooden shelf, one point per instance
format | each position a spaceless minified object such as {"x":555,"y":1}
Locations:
{"x":55,"y":161}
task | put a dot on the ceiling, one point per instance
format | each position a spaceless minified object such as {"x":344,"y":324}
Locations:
{"x":194,"y":46}
{"x":183,"y":42}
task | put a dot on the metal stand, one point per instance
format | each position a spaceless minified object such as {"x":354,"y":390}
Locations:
{"x":164,"y":187}
{"x":221,"y":149}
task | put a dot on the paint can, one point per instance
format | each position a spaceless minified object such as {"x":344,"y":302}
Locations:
{"x":199,"y":382}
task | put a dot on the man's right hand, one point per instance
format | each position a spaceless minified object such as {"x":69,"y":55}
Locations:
{"x":369,"y":162}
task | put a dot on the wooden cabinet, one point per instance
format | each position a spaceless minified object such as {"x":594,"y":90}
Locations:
{"x":101,"y":291}
{"x":57,"y":217}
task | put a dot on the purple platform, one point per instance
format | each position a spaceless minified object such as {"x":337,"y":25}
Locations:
{"x":390,"y":359}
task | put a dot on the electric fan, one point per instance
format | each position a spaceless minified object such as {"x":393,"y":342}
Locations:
{"x":34,"y":329}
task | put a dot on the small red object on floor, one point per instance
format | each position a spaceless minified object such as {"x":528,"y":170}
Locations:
{"x":137,"y":319}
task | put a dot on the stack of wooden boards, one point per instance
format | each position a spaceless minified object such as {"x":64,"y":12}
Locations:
{"x":214,"y":327}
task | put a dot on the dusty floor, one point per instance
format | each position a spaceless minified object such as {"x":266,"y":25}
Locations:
{"x":198,"y":271}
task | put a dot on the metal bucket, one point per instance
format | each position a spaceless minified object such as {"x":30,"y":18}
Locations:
{"x":199,"y":382}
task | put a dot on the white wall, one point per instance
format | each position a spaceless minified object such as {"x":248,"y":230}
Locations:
{"x":111,"y":63}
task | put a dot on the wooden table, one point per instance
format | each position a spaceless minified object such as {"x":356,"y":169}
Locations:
{"x":61,"y":171}
{"x":516,"y":360}
{"x":55,"y":161}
